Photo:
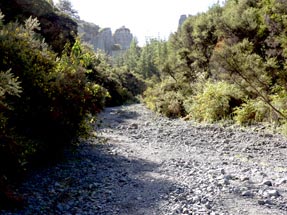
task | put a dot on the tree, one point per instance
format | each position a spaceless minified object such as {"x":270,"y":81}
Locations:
{"x":248,"y":70}
{"x":51,"y":2}
{"x":67,"y":7}
{"x":132,"y":55}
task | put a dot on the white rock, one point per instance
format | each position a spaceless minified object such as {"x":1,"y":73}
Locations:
{"x":282,"y":181}
{"x":271,"y":193}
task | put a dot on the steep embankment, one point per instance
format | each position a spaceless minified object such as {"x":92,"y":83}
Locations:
{"x":145,"y":164}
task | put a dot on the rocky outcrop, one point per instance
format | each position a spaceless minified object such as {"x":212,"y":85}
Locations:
{"x":104,"y":39}
{"x":100,"y":39}
{"x":88,"y":32}
{"x":57,"y":29}
{"x":181,"y":20}
{"x":123,"y":37}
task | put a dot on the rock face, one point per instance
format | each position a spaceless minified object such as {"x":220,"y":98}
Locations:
{"x":104,"y":39}
{"x":181,"y":20}
{"x":57,"y":29}
{"x":88,"y":31}
{"x":123,"y":37}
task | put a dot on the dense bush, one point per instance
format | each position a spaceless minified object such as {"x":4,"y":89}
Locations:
{"x":123,"y":86}
{"x":256,"y":110}
{"x":250,"y":112}
{"x":47,"y":107}
{"x":165,"y":98}
{"x":48,"y":99}
{"x":9,"y":150}
{"x":235,"y":52}
{"x":214,"y":101}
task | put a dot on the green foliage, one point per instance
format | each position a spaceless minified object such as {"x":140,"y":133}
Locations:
{"x":257,"y":110}
{"x":122,"y":85}
{"x":214,"y":101}
{"x":66,"y":7}
{"x":241,"y":48}
{"x":8,"y":85}
{"x":166,"y":99}
{"x":283,"y":129}
{"x":47,"y":101}
{"x":250,"y":112}
{"x":56,"y":96}
{"x":193,"y":45}
{"x":242,"y":66}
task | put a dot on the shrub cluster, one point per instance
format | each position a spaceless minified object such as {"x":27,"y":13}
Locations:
{"x":165,"y":98}
{"x":214,"y":101}
{"x":227,"y":63}
{"x":47,"y":99}
{"x":45,"y":107}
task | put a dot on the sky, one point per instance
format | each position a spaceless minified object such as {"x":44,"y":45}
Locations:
{"x":144,"y":18}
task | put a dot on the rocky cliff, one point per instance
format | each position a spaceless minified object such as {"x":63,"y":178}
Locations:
{"x":57,"y":29}
{"x":181,"y":20}
{"x":123,"y":37}
{"x":88,"y":31}
{"x":104,"y":39}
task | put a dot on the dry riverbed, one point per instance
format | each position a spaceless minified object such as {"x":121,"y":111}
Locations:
{"x":141,"y":163}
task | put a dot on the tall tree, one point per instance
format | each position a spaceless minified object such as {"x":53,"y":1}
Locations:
{"x":132,"y":55}
{"x":67,"y":7}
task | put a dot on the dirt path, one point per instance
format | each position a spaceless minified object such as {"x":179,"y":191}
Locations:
{"x":145,"y":164}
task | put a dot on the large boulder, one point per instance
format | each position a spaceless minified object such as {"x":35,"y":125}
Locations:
{"x":57,"y":29}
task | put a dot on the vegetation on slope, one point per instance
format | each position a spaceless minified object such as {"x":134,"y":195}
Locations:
{"x":48,"y":99}
{"x":226,"y":63}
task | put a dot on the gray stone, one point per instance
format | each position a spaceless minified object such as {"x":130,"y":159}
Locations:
{"x":245,"y":178}
{"x":282,"y":181}
{"x":261,"y":202}
{"x":267,"y":183}
{"x":247,"y":193}
{"x":271,"y":193}
{"x":208,"y":205}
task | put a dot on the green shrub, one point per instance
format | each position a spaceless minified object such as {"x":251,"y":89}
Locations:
{"x":250,"y":112}
{"x":57,"y":95}
{"x":257,"y":110}
{"x":9,"y":150}
{"x":279,"y":101}
{"x":283,"y":129}
{"x":163,"y":98}
{"x":150,"y":97}
{"x":214,"y":101}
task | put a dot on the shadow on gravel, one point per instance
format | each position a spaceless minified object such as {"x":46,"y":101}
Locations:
{"x":114,"y":116}
{"x":95,"y":181}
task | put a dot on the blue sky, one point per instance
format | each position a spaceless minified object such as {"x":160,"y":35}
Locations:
{"x":145,"y":18}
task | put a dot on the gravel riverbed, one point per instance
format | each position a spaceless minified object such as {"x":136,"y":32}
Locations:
{"x":142,"y":163}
